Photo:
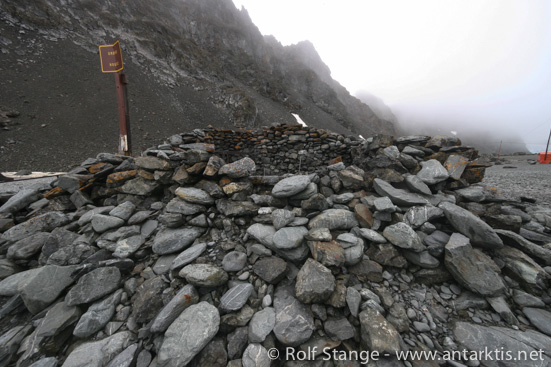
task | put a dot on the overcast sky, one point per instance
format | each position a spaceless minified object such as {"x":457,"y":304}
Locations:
{"x":482,"y":64}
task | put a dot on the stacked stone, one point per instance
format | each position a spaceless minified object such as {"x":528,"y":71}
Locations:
{"x":276,"y":149}
{"x":178,"y":258}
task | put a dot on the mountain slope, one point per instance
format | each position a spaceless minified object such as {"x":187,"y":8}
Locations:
{"x":189,"y":63}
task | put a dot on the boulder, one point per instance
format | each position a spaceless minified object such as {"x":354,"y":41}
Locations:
{"x":471,"y":226}
{"x":315,"y":283}
{"x":471,"y":268}
{"x":290,"y":186}
{"x":188,"y":335}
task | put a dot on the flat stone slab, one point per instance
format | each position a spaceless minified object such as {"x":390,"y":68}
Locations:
{"x":188,"y":335}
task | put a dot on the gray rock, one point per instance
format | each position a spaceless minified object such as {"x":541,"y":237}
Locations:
{"x":353,"y":248}
{"x":8,"y":268}
{"x":436,"y":242}
{"x":338,"y":328}
{"x":97,"y":316}
{"x":40,"y":287}
{"x":403,"y":236}
{"x":179,"y":206}
{"x":342,"y":198}
{"x":139,"y":186}
{"x":469,"y":300}
{"x":237,"y":342}
{"x":213,"y":355}
{"x":480,"y":339}
{"x":242,"y":168}
{"x":204,"y":275}
{"x":415,"y":184}
{"x":540,"y":318}
{"x":271,"y":269}
{"x":353,"y":300}
{"x":128,"y":246}
{"x":170,"y":240}
{"x":471,"y":226}
{"x":256,"y":356}
{"x":289,"y":237}
{"x":57,"y":319}
{"x":152,"y":163}
{"x":20,"y":200}
{"x":473,"y":193}
{"x":263,"y":234}
{"x":294,"y":323}
{"x":102,"y":223}
{"x":499,"y":304}
{"x":94,"y":285}
{"x":422,"y":259}
{"x":46,"y":362}
{"x":231,"y":208}
{"x":186,"y":297}
{"x":456,"y":164}
{"x":98,"y":353}
{"x":398,"y":196}
{"x":236,"y":297}
{"x":188,"y":335}
{"x":43,"y":223}
{"x":371,"y":235}
{"x":432,"y":172}
{"x":334,"y":219}
{"x":352,"y":178}
{"x":523,"y":268}
{"x":290,"y":186}
{"x":282,"y":217}
{"x":524,"y":299}
{"x":308,"y":192}
{"x":471,"y":268}
{"x":314,"y":283}
{"x":416,"y":216}
{"x":234,"y":261}
{"x":530,"y":248}
{"x":384,"y":205}
{"x":194,"y":196}
{"x":377,"y":333}
{"x":28,"y":247}
{"x":147,"y":302}
{"x":123,"y":211}
{"x":188,"y":256}
{"x":125,"y":358}
{"x":194,"y":155}
{"x":261,"y":325}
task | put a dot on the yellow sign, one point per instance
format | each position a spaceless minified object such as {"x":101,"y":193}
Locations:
{"x":111,"y":58}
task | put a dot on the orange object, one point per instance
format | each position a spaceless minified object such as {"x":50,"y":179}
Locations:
{"x":542,"y":159}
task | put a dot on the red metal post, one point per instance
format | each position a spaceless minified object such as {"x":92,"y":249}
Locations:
{"x":125,"y":145}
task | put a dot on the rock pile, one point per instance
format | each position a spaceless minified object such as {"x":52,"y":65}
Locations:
{"x":179,"y":258}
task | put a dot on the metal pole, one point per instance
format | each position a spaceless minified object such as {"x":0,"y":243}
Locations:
{"x":125,"y":146}
{"x":547,"y":146}
{"x":499,"y":152}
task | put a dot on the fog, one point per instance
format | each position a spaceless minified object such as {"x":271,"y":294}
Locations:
{"x":480,"y":68}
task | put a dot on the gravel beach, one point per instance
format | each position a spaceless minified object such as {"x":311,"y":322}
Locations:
{"x":517,"y":177}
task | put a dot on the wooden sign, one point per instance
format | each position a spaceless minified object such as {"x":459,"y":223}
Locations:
{"x":111,"y":58}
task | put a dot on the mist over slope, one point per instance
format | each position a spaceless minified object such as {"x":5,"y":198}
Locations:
{"x":189,"y":63}
{"x":487,"y":131}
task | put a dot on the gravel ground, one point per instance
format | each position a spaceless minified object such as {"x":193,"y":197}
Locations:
{"x":524,"y":180}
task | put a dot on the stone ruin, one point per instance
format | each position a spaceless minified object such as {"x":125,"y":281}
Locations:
{"x":248,"y":248}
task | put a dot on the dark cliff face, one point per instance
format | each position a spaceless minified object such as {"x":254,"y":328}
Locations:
{"x":194,"y":62}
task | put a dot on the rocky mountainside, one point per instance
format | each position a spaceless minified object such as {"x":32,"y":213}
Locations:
{"x":189,"y":63}
{"x":179,"y":257}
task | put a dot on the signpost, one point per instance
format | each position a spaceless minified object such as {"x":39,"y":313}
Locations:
{"x":111,"y":62}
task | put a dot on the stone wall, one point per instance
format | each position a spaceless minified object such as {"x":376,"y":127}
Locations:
{"x":276,"y":149}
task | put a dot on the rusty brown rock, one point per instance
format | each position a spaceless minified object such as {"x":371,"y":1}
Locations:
{"x":364,"y":215}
